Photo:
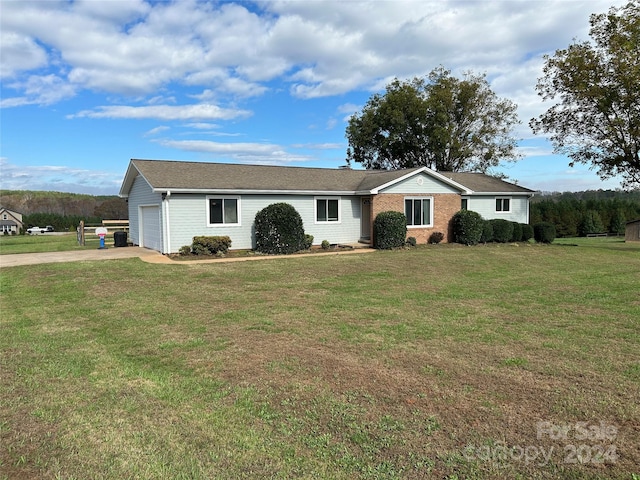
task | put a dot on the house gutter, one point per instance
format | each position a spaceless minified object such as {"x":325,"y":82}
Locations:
{"x":237,"y":191}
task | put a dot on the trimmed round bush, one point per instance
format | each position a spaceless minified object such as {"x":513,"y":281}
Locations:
{"x":487,"y":231}
{"x":467,"y":227}
{"x":412,"y":242}
{"x":279,"y":229}
{"x":502,"y":230}
{"x":544,"y":232}
{"x":527,"y":232}
{"x":517,"y":232}
{"x":436,"y":237}
{"x":389,"y":230}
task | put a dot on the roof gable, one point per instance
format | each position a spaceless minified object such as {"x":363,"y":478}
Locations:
{"x":482,"y":183}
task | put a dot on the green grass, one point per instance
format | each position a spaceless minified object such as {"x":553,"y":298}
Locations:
{"x":385,"y":365}
{"x":10,"y":244}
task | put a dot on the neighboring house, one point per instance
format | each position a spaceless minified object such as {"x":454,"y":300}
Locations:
{"x":170,"y":202}
{"x":632,"y":231}
{"x":10,"y":222}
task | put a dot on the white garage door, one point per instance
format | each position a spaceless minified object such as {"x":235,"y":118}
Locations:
{"x":151,"y":237}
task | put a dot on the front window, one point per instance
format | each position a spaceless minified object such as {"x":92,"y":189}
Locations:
{"x":419,"y":211}
{"x":464,"y":204}
{"x":327,"y":210}
{"x":503,"y":204}
{"x":223,"y":210}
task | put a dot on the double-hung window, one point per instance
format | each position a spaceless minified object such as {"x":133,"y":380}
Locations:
{"x":223,"y":211}
{"x":503,"y":204}
{"x":419,"y":211}
{"x":327,"y":210}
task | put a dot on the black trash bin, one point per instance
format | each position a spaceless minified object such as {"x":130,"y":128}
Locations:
{"x":120,"y":239}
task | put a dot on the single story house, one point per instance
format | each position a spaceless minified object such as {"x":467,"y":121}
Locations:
{"x":632,"y":231}
{"x":10,"y":221}
{"x":170,"y":202}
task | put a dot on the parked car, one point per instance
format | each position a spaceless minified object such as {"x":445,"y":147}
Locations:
{"x":49,"y":228}
{"x":36,"y":230}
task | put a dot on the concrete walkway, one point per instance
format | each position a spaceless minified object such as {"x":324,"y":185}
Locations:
{"x":150,"y":256}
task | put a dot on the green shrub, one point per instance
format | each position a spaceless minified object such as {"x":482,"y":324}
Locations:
{"x":487,"y":231}
{"x":436,"y":237}
{"x":467,"y":227}
{"x":527,"y":232}
{"x":204,"y":245}
{"x":517,"y":232}
{"x":308,"y":241}
{"x":279,"y":229}
{"x":325,"y":245}
{"x":185,"y":250}
{"x":544,"y":232}
{"x":389,"y":230}
{"x":502,"y":230}
{"x":198,"y":249}
{"x":412,"y":242}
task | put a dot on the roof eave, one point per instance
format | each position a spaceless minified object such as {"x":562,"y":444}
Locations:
{"x":472,"y":193}
{"x":429,"y":172}
{"x":249,"y":191}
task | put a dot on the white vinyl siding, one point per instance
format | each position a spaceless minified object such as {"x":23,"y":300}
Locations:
{"x":418,"y":184}
{"x":189,"y":218}
{"x":485,"y":205}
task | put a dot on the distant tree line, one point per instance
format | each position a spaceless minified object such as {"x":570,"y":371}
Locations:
{"x":63,"y":210}
{"x":582,"y":213}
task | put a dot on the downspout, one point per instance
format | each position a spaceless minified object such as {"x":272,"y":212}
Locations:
{"x":528,"y":207}
{"x":166,"y":241}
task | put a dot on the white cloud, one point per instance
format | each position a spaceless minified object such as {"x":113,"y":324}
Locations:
{"x":164,"y":112}
{"x":320,"y":146}
{"x":39,"y":90}
{"x":157,"y":130}
{"x":19,"y":52}
{"x":262,"y":153}
{"x":59,"y":178}
{"x":320,"y":48}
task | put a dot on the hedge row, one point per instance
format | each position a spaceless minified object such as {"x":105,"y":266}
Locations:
{"x":469,"y":228}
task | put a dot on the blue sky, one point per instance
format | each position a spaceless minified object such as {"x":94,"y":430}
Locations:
{"x":88,"y":85}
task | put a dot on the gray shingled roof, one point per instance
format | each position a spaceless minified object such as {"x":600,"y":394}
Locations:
{"x":165,"y":174}
{"x":200,"y":176}
{"x":481,"y":183}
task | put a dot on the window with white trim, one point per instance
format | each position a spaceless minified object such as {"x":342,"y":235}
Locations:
{"x":419,"y":211}
{"x":503,"y":204}
{"x":327,"y":209}
{"x":223,"y":211}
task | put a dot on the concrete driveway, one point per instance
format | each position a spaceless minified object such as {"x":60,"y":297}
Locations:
{"x":78,"y":256}
{"x":150,"y":256}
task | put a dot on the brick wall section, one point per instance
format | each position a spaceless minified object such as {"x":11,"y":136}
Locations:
{"x":445,"y":206}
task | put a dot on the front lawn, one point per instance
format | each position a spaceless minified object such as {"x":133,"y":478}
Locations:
{"x":56,"y":242}
{"x":442,"y":361}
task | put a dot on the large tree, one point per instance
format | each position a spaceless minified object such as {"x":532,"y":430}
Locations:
{"x":597,"y":118}
{"x":441,"y":122}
